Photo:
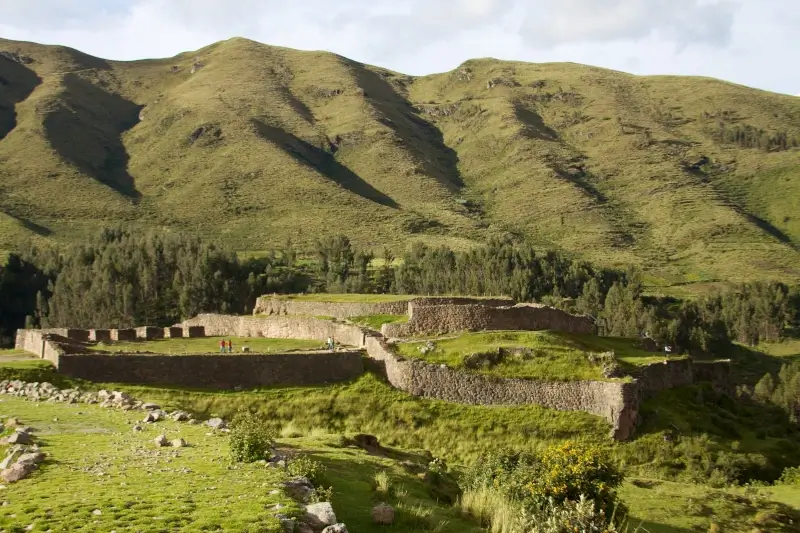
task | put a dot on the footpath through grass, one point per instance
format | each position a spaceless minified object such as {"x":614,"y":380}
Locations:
{"x":549,"y":355}
{"x":208,"y":345}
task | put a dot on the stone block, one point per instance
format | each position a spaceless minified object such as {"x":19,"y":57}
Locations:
{"x":81,"y":335}
{"x":194,"y":331}
{"x":173,"y":332}
{"x":149,"y":333}
{"x":123,"y":334}
{"x":99,"y":335}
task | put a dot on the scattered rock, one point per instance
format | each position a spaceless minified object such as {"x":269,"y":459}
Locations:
{"x":16,"y":472}
{"x":33,"y":458}
{"x":335,"y":528}
{"x":97,"y":512}
{"x":17,"y":57}
{"x":216,"y":423}
{"x":137,"y":427}
{"x":319,"y":515}
{"x":20,"y":437}
{"x":383,"y":514}
{"x":12,"y":422}
{"x":302,"y":527}
{"x":299,"y":488}
{"x":10,"y":459}
{"x":161,"y":440}
{"x":288,"y":525}
{"x":178,"y":443}
{"x":150,"y":406}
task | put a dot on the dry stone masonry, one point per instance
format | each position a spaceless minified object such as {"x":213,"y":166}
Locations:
{"x":617,"y":401}
{"x":425,"y":319}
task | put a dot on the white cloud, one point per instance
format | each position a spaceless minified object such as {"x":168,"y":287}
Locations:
{"x":746,"y":41}
{"x":554,"y":22}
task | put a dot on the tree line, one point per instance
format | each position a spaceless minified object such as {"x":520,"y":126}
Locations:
{"x":121,"y":279}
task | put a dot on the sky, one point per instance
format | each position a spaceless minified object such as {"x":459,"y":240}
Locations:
{"x":752,"y":42}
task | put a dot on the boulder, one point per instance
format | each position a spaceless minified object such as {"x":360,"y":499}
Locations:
{"x":288,"y":525}
{"x":12,"y":422}
{"x":383,"y":514}
{"x":180,"y":416}
{"x":16,"y":472}
{"x":10,"y":459}
{"x":302,"y":527}
{"x":319,"y":515}
{"x":178,"y":443}
{"x":20,"y":437}
{"x":335,"y":528}
{"x":150,"y":406}
{"x":216,"y":423}
{"x":33,"y":458}
{"x":161,"y":440}
{"x":299,"y":488}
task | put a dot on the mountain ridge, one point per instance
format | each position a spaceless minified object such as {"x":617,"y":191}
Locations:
{"x":692,"y":178}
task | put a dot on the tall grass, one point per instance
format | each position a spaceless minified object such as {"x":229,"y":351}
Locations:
{"x":493,"y":510}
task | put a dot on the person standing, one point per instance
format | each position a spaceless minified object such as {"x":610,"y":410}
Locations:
{"x":230,"y":346}
{"x":222,"y":346}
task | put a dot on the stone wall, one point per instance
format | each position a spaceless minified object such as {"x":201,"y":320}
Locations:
{"x":173,"y":332}
{"x":100,"y":335}
{"x":614,"y":401}
{"x":444,"y":319}
{"x":271,"y":305}
{"x":123,"y":334}
{"x":215,"y":371}
{"x":278,"y":327}
{"x":267,"y":305}
{"x":40,"y":343}
{"x":149,"y":333}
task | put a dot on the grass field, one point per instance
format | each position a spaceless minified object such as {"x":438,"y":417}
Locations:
{"x":554,"y":355}
{"x":208,"y":345}
{"x":309,"y":420}
{"x":96,"y":463}
{"x":376,"y":321}
{"x":306,"y":144}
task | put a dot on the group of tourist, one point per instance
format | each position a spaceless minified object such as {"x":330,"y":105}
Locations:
{"x":225,"y":346}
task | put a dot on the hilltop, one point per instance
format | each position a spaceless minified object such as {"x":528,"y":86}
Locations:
{"x":694,"y":179}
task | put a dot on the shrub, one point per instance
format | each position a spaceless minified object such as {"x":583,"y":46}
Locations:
{"x":382,"y":482}
{"x":322,"y":494}
{"x":305,"y":466}
{"x":790,"y":476}
{"x":250,"y":439}
{"x":569,"y":516}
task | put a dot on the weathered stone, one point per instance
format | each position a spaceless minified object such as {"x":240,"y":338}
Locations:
{"x":161,"y":440}
{"x":288,"y":525}
{"x":10,"y":459}
{"x":137,"y":428}
{"x":16,"y":472}
{"x":178,"y":443}
{"x":383,"y":514}
{"x":319,"y":515}
{"x":299,"y":488}
{"x":335,"y":528}
{"x":150,"y":406}
{"x":216,"y":423}
{"x":13,"y":421}
{"x":20,"y":437}
{"x":33,"y":458}
{"x":302,"y":527}
{"x":180,"y":416}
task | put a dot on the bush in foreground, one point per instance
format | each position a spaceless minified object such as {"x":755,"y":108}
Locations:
{"x":250,"y":439}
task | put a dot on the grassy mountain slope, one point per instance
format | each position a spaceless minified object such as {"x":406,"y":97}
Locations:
{"x":254,"y":144}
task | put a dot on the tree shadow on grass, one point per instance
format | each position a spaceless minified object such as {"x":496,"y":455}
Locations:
{"x":323,"y":162}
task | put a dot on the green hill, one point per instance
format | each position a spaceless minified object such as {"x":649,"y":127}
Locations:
{"x":694,"y":179}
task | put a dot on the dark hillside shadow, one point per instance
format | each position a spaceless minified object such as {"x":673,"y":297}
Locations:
{"x":321,"y":161}
{"x":767,"y":227}
{"x":17,"y":82}
{"x":297,"y":105}
{"x":28,"y":224}
{"x":420,"y":137}
{"x":86,"y":128}
{"x":535,"y":128}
